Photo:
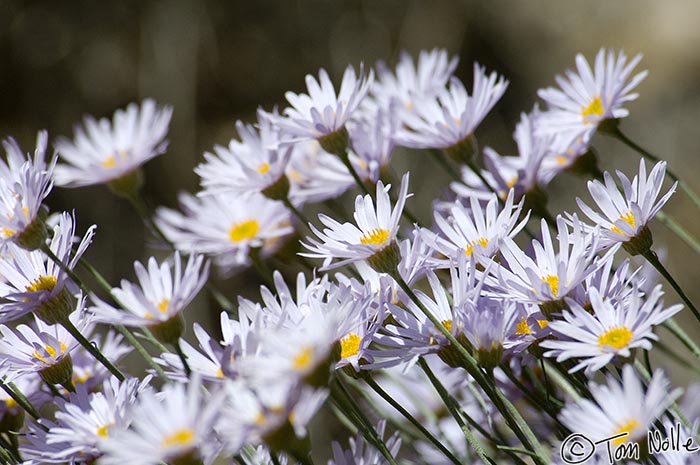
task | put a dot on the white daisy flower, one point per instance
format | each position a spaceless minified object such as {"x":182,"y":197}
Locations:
{"x":412,"y":82}
{"x":550,"y":276}
{"x":226,"y":226}
{"x":321,"y":114}
{"x":449,"y":120}
{"x":110,"y":152}
{"x":476,"y":231}
{"x":35,"y":283}
{"x":24,"y":184}
{"x":618,"y":408}
{"x":159,"y":299}
{"x":588,"y":97}
{"x":373,"y":239}
{"x":624,"y":216}
{"x":174,"y":426}
{"x":253,"y":164}
{"x":41,"y":348}
{"x":315,"y":175}
{"x":372,"y":141}
{"x":611,"y":331}
{"x":86,"y":421}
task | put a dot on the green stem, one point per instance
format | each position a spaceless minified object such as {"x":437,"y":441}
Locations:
{"x":441,"y":159}
{"x":563,"y":383}
{"x":183,"y":358}
{"x":676,"y":357}
{"x":348,"y":164}
{"x":364,"y":424}
{"x":21,"y":400}
{"x":399,"y":408}
{"x":653,"y":259}
{"x":260,"y":266}
{"x":682,"y":336}
{"x":131,"y":339}
{"x":456,"y":413}
{"x":679,"y":231}
{"x":300,"y":216}
{"x":75,"y":332}
{"x":516,"y":422}
{"x":615,"y":131}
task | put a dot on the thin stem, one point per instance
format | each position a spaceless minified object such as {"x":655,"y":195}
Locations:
{"x":653,"y":259}
{"x":75,"y":332}
{"x":300,"y":216}
{"x":441,"y":160}
{"x":516,"y":422}
{"x":273,"y":457}
{"x":260,"y":266}
{"x":348,"y":164}
{"x":183,"y":358}
{"x":364,"y":424}
{"x":456,"y":413}
{"x":399,"y":408}
{"x":563,"y":383}
{"x":676,"y":357}
{"x":131,"y":339}
{"x":682,"y":336}
{"x":615,"y":131}
{"x":21,"y":400}
{"x":679,"y":231}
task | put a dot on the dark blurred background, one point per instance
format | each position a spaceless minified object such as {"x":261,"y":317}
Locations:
{"x":216,"y":62}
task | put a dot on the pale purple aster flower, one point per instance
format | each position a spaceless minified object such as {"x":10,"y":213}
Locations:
{"x":253,"y":164}
{"x":372,"y":140}
{"x":375,"y":231}
{"x":226,"y":226}
{"x":412,"y":81}
{"x":105,"y":151}
{"x":452,"y":116}
{"x":624,"y":216}
{"x":175,"y":424}
{"x":620,"y":407}
{"x":35,"y":283}
{"x":588,"y":97}
{"x":322,"y":112}
{"x":612,"y":330}
{"x":476,"y":231}
{"x":24,"y":184}
{"x":162,"y":292}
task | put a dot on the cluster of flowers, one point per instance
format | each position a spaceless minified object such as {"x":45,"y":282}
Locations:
{"x":441,"y":330}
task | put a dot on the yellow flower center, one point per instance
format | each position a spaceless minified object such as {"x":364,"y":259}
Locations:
{"x":163,"y":305}
{"x":542,"y":323}
{"x":244,"y":231}
{"x":10,"y":403}
{"x":44,"y":283}
{"x":376,"y":236}
{"x":303,"y":360}
{"x":264,"y":168}
{"x":103,"y":431}
{"x":625,"y":428}
{"x":219,"y":373}
{"x":616,"y":337}
{"x":110,"y":162}
{"x":349,"y":345}
{"x":627,"y":218}
{"x":553,"y":282}
{"x":51,"y":351}
{"x":512,"y":182}
{"x":595,"y":108}
{"x":7,"y":232}
{"x":181,"y":437}
{"x":447,"y":324}
{"x":522,"y":328}
{"x":469,"y":249}
{"x":561,"y":160}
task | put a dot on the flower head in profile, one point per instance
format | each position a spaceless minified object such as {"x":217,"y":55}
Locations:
{"x":173,"y":426}
{"x":609,"y":330}
{"x":24,"y":184}
{"x":588,"y":96}
{"x":35,"y":283}
{"x":321,"y":114}
{"x":106,"y":152}
{"x":226,"y":226}
{"x":41,"y":349}
{"x":449,"y":119}
{"x":374,"y":233}
{"x":620,"y":407}
{"x":412,"y":82}
{"x":624,"y":216}
{"x":160,"y":297}
{"x":254,"y":164}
